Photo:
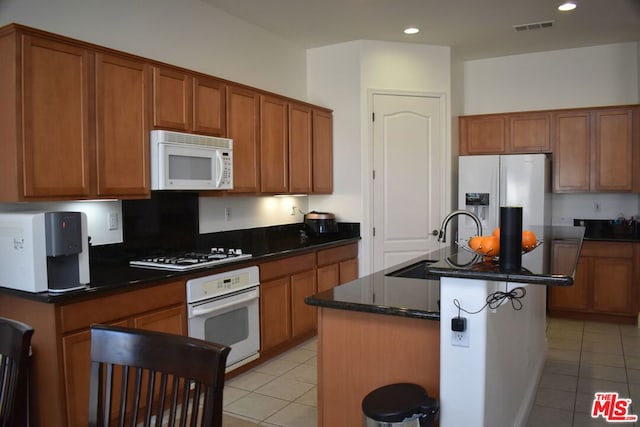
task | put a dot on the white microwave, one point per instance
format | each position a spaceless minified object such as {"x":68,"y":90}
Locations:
{"x":183,"y":161}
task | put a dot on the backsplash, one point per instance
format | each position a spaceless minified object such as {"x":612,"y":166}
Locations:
{"x":243,"y":212}
{"x":566,"y":207}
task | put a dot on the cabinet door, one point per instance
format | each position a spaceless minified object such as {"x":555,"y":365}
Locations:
{"x":76,"y":350}
{"x":612,"y":154}
{"x":274,"y":149}
{"x":172,"y":100}
{"x":209,"y":111}
{"x":303,"y":316}
{"x":576,"y":297}
{"x":243,"y":117}
{"x":322,"y":152}
{"x":275,"y":326}
{"x":122,"y":126}
{"x":348,"y":270}
{"x":571,"y":151}
{"x":612,"y":285}
{"x":483,"y":135}
{"x":172,"y":320}
{"x":328,"y":277}
{"x":530,"y":133}
{"x":300,"y":150}
{"x":56,"y":119}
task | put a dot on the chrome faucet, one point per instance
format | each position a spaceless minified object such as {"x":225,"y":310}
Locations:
{"x":442,"y":237}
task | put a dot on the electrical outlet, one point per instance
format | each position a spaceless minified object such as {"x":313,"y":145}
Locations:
{"x":460,"y":338}
{"x":596,"y":206}
{"x":112,"y":220}
{"x":227,"y":214}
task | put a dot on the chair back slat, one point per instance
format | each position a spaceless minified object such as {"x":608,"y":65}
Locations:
{"x":15,"y":345}
{"x":166,"y":379}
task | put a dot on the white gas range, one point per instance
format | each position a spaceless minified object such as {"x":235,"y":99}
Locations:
{"x":190,"y":260}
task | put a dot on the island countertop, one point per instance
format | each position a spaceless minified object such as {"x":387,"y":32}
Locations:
{"x":384,"y":292}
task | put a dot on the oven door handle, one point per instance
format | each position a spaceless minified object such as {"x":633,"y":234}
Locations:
{"x":203,"y":311}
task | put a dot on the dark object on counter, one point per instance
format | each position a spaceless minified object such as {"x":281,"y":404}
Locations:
{"x":510,"y":238}
{"x":402,"y":404}
{"x":319,"y":223}
{"x":610,"y":229}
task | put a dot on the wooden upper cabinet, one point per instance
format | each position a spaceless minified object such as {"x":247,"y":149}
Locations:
{"x":505,"y":133}
{"x":188,"y":102}
{"x":322,"y":151}
{"x":172,"y":99}
{"x":122,"y":126}
{"x":243,"y":126}
{"x":572,"y":151}
{"x":530,"y":133}
{"x":594,"y":150}
{"x":55,"y":121}
{"x":209,"y":110}
{"x":300,"y":149}
{"x":612,"y":151}
{"x":483,"y":134}
{"x":274,"y":147}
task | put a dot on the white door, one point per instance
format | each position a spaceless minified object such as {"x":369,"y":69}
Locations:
{"x":409,"y":176}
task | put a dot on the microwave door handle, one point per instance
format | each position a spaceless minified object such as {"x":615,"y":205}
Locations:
{"x":203,"y":311}
{"x":219,"y":171}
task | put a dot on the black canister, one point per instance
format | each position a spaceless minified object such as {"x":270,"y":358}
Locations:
{"x":510,"y":238}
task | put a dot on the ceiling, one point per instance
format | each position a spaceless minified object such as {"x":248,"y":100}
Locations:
{"x":473,"y":28}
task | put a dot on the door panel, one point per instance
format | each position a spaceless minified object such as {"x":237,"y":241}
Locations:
{"x":409,"y":186}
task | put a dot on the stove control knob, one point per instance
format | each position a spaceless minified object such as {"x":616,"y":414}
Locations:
{"x":231,"y":252}
{"x":238,"y":251}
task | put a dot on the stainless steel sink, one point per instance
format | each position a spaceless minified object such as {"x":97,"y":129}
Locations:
{"x":416,"y":271}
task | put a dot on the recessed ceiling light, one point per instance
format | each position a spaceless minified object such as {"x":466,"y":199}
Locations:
{"x":411,"y":30}
{"x":567,"y":6}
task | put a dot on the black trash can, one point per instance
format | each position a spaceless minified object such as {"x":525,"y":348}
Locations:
{"x":399,"y":405}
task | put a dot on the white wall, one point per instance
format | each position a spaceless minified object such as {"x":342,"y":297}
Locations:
{"x":583,"y":77}
{"x":190,"y":34}
{"x":341,"y":76}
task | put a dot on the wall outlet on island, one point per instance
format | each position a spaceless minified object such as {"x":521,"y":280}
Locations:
{"x":460,"y":332}
{"x":227,"y":214}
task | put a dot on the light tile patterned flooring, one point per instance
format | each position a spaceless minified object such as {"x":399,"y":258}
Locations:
{"x":583,"y":358}
{"x":280,"y":392}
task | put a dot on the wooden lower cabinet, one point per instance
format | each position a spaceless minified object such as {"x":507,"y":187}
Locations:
{"x":62,"y":341}
{"x":604,"y":285}
{"x":285,"y":283}
{"x":337,"y":266}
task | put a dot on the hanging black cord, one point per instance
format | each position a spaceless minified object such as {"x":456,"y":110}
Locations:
{"x":495,"y":300}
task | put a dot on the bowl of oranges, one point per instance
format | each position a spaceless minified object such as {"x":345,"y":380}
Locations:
{"x":489,"y":246}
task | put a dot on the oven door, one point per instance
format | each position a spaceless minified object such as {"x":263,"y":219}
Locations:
{"x":230,"y":320}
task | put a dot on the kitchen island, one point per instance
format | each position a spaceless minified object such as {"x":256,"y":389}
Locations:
{"x":384,"y":328}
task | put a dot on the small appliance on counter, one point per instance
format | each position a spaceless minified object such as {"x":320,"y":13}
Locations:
{"x":319,"y":223}
{"x":44,"y":251}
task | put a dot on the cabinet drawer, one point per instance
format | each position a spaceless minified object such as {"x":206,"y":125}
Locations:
{"x":341,"y":253}
{"x":126,"y":304}
{"x":286,"y":266}
{"x":607,"y":249}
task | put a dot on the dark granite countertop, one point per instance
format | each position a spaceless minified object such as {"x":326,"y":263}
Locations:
{"x":110,"y":271}
{"x":386,"y":293}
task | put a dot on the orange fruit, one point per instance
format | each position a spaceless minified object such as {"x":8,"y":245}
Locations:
{"x":496,"y":232}
{"x":490,"y":245}
{"x":529,"y":240}
{"x":475,"y":242}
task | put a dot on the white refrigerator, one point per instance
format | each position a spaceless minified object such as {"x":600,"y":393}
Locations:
{"x":487,"y":182}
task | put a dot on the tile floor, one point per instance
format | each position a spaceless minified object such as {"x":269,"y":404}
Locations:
{"x":280,"y":392}
{"x":583,"y":357}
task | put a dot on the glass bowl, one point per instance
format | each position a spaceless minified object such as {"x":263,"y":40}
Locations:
{"x":464,"y":244}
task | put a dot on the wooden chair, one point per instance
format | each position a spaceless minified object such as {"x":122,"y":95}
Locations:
{"x":154,"y":378}
{"x":15,"y":342}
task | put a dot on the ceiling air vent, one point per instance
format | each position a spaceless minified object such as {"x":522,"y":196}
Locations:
{"x":533,"y":26}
